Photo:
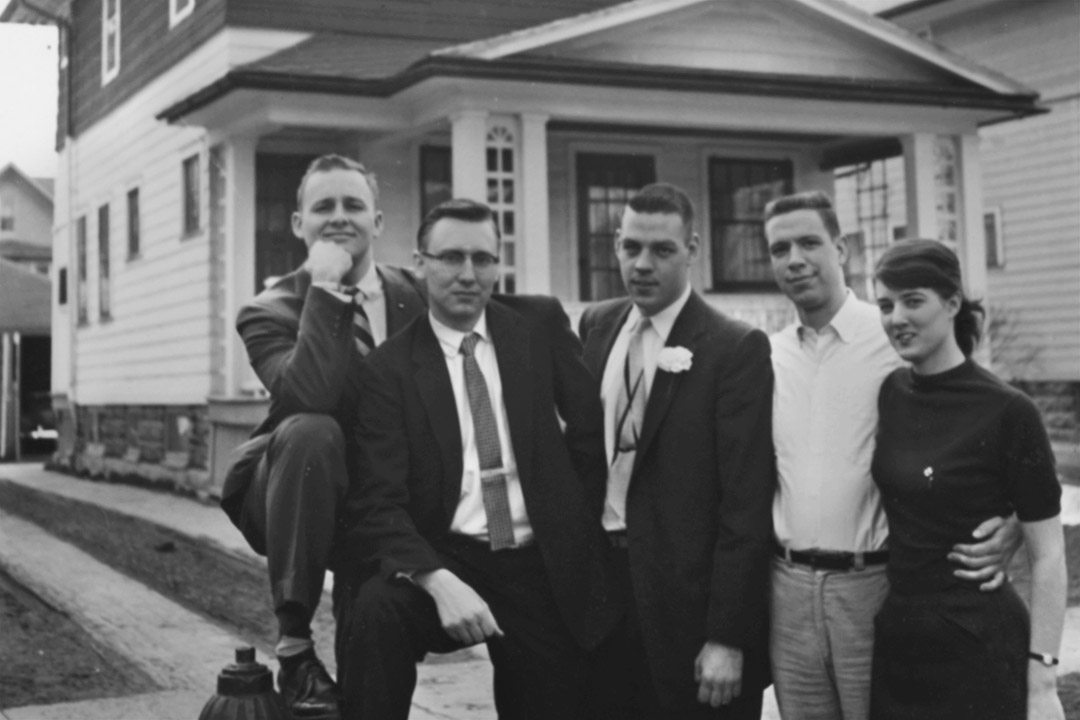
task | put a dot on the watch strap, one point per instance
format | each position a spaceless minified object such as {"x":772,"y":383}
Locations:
{"x":1045,"y":658}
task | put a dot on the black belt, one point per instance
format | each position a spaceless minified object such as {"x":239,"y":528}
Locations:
{"x":830,"y":560}
{"x":618,"y":539}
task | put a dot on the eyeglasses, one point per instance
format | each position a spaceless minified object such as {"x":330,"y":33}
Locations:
{"x":481,"y":260}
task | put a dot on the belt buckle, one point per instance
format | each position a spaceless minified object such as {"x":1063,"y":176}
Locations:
{"x":859,"y":562}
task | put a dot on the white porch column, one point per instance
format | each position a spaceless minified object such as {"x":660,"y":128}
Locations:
{"x":972,"y":241}
{"x":534,"y":238}
{"x":919,"y":167}
{"x":239,"y":255}
{"x":468,"y":132}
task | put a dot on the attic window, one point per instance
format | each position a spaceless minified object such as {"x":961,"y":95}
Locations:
{"x":179,"y":9}
{"x":110,"y":40}
{"x":7,"y":216}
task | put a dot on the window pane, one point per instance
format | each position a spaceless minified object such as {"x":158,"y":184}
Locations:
{"x":507,"y":160}
{"x":492,"y":160}
{"x":133,"y":223}
{"x":191,"y":195}
{"x":104,"y":292}
{"x":739,"y":190}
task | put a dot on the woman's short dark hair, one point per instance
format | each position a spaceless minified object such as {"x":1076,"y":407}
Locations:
{"x":457,"y":209}
{"x":916,"y":263}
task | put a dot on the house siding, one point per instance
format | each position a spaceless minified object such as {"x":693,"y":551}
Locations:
{"x":759,"y":36}
{"x":148,"y":48}
{"x":157,"y":347}
{"x":1031,"y":171}
{"x":450,"y":20}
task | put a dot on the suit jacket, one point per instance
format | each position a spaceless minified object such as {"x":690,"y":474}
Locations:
{"x":408,"y":483}
{"x":699,"y":503}
{"x":301,"y":343}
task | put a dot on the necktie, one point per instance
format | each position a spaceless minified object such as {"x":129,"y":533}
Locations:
{"x":365,"y":342}
{"x":492,"y":477}
{"x":629,"y":417}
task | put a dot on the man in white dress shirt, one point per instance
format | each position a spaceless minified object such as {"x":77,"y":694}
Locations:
{"x":829,"y":577}
{"x":474,"y":517}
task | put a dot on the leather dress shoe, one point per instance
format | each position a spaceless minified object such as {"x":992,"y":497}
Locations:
{"x":307,"y":689}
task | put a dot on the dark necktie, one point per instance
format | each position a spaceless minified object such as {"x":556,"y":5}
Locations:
{"x":365,"y":341}
{"x":488,"y":447}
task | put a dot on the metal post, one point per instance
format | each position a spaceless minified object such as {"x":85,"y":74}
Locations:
{"x":5,"y":399}
{"x":16,"y":392}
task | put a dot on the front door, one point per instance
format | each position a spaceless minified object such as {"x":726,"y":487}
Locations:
{"x":605,"y":182}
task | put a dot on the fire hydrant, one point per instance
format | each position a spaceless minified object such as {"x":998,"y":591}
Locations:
{"x":245,"y":691}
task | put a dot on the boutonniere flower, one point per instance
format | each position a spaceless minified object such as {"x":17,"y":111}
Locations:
{"x":674,"y":359}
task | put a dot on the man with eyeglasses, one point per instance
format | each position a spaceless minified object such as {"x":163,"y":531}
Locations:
{"x":306,"y":336}
{"x":474,"y":512}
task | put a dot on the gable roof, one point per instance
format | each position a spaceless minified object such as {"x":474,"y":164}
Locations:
{"x":353,"y":65}
{"x":529,"y":39}
{"x":42,"y":192}
{"x":24,"y":300}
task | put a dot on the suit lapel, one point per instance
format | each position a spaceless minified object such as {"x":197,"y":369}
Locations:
{"x":685,"y":332}
{"x":401,"y":305}
{"x":512,"y":354}
{"x":602,"y":338}
{"x":433,"y":385}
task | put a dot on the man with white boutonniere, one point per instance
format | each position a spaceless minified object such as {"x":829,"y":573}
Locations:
{"x":687,"y":396}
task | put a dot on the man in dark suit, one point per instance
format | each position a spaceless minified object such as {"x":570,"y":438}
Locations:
{"x":474,"y":516}
{"x":306,"y":336}
{"x":687,"y":395}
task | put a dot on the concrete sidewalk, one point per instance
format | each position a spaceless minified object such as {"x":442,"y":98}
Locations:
{"x":183,"y":652}
{"x":180,"y":650}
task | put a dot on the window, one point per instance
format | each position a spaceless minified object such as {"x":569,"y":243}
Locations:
{"x":110,"y":40}
{"x":7,"y":216}
{"x":436,"y":177}
{"x":61,"y":286}
{"x":104,"y":287}
{"x":739,"y":189}
{"x":191,"y":195}
{"x":179,"y":9}
{"x":133,"y":223}
{"x":81,"y":295}
{"x":995,"y":247}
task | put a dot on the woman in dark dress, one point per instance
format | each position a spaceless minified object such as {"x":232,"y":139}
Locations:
{"x":955,"y":445}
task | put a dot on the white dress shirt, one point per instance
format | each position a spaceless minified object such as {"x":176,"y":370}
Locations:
{"x":824,"y":421}
{"x":374,"y":300}
{"x":652,"y":340}
{"x":470,"y":518}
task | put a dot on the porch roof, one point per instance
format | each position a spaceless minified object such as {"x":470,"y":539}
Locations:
{"x":383,"y":67}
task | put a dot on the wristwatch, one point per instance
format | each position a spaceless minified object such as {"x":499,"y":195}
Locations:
{"x":1045,"y":658}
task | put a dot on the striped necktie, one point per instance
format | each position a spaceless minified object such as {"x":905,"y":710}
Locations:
{"x":365,"y":341}
{"x":492,"y":478}
{"x":629,"y":418}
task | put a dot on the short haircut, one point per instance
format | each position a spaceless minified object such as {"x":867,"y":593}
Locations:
{"x":916,"y":263}
{"x":664,"y":198}
{"x":326,"y":163}
{"x":810,"y":200}
{"x":456,"y":209}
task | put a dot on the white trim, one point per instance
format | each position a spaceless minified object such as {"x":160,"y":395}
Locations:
{"x":577,"y":26}
{"x":178,"y":10}
{"x":566,"y":28}
{"x":109,"y":26}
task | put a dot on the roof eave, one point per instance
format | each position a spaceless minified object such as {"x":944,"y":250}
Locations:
{"x":531,"y":69}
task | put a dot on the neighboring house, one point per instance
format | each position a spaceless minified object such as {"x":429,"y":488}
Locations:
{"x":1031,"y":190}
{"x":185,"y":126}
{"x":26,"y":219}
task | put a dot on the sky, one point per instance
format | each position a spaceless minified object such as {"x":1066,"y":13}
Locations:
{"x":28,"y":85}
